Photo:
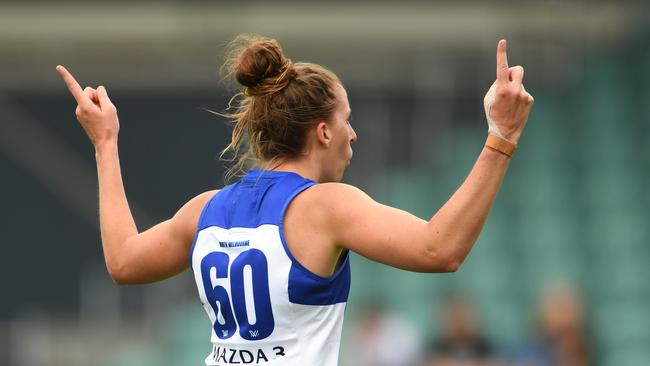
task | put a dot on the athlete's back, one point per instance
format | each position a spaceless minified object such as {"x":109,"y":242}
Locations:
{"x":264,"y":306}
{"x":292,"y":117}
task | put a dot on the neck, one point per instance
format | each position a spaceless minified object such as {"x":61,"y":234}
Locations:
{"x":302,"y":166}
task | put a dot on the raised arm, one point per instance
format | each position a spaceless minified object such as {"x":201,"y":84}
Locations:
{"x":131,"y":257}
{"x":399,"y":239}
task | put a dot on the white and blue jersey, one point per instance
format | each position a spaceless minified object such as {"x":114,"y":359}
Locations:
{"x":265,"y":307}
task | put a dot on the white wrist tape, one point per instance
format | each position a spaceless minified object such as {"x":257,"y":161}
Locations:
{"x":487,"y":103}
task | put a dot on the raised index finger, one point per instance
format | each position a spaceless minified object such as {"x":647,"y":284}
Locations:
{"x":502,"y":61}
{"x":73,"y":85}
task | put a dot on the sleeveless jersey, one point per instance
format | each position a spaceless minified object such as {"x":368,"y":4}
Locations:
{"x":265,"y":307}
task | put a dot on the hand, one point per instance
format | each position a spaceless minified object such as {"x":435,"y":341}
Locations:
{"x":95,"y":112}
{"x":507,"y":103}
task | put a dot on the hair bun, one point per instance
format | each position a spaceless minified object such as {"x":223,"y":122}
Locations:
{"x":260,"y":65}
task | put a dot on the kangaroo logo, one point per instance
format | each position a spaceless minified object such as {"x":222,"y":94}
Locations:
{"x":254,"y":333}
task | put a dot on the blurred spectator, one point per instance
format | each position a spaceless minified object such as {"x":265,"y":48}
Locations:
{"x":381,"y":338}
{"x":561,"y":338}
{"x":460,"y":342}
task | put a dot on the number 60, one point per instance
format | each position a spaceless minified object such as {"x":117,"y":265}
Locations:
{"x":220,"y":300}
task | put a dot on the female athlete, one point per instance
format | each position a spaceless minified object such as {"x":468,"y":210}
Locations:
{"x":269,"y":253}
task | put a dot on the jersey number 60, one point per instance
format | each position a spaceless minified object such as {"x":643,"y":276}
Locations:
{"x":220,"y":300}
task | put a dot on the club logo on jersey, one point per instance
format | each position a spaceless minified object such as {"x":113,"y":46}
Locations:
{"x":225,"y":333}
{"x":254,"y":333}
{"x":234,"y":244}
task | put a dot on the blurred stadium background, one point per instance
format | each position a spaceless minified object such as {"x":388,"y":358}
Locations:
{"x":574,"y":208}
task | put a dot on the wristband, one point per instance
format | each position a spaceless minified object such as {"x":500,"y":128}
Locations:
{"x":501,"y":145}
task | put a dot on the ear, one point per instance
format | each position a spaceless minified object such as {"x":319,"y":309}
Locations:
{"x":323,"y":134}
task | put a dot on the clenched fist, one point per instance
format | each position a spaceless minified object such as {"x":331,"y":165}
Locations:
{"x":507,"y":103}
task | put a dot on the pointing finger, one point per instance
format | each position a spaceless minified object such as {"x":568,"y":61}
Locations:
{"x":73,"y":85}
{"x":502,"y":61}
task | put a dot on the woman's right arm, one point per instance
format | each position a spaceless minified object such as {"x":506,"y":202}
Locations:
{"x":397,"y":238}
{"x":131,"y":257}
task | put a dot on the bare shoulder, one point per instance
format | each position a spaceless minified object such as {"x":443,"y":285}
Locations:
{"x":195,"y":205}
{"x":330,"y":201}
{"x":201,"y":199}
{"x":331,"y":195}
{"x":187,"y":217}
{"x":332,"y":192}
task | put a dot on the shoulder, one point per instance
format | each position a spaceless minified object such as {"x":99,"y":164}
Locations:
{"x":199,"y":201}
{"x":187,"y":217}
{"x":332,"y":194}
{"x":340,"y":195}
{"x":331,"y":200}
{"x":330,"y":191}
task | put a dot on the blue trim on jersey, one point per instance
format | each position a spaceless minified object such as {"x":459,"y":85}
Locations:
{"x":309,"y":290}
{"x":252,"y":201}
{"x":262,"y":197}
{"x":198,"y":227}
{"x":305,"y":286}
